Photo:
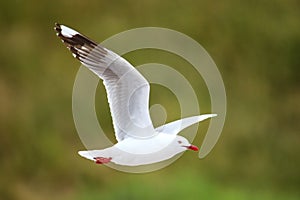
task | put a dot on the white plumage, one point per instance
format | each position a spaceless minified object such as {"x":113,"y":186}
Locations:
{"x":138,"y":142}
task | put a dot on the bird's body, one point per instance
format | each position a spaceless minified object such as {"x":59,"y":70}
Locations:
{"x":133,"y":151}
{"x":139,"y":143}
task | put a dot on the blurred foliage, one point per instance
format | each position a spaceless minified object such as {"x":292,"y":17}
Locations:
{"x":256,"y":46}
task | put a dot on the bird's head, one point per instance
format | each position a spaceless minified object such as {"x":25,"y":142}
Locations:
{"x":184,"y":143}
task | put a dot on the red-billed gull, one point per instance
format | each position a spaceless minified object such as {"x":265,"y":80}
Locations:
{"x":138,"y":142}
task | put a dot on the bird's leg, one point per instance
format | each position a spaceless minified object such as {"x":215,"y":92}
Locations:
{"x":102,"y":160}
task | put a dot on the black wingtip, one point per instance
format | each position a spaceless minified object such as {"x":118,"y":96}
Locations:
{"x":58,"y":29}
{"x":72,"y":39}
{"x":57,"y":26}
{"x":79,"y":45}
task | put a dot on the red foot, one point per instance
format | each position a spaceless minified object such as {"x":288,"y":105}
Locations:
{"x":102,"y":160}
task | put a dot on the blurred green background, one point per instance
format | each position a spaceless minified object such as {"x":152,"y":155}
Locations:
{"x":256,"y":46}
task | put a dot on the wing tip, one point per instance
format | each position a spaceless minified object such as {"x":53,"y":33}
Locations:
{"x":207,"y":116}
{"x":64,"y":31}
{"x":74,"y":41}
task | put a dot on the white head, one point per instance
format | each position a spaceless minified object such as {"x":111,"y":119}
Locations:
{"x":182,"y":144}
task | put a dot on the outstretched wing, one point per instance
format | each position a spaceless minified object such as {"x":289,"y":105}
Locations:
{"x":127,"y":89}
{"x":176,"y":126}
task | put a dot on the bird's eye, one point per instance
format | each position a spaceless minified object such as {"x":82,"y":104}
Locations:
{"x":179,"y":142}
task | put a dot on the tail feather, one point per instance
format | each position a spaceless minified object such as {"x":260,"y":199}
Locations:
{"x":92,"y":154}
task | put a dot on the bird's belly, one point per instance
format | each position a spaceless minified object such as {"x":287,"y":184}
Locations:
{"x":147,"y":146}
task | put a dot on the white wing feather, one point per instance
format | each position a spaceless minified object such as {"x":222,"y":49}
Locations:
{"x":127,"y":89}
{"x":176,"y":126}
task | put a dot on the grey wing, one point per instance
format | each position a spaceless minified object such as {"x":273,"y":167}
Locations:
{"x":127,"y":90}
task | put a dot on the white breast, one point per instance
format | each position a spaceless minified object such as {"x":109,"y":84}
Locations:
{"x":145,"y":146}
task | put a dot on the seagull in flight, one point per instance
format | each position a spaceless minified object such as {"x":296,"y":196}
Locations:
{"x":138,"y":142}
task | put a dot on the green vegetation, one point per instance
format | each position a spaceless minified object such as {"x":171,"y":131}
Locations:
{"x":256,"y":46}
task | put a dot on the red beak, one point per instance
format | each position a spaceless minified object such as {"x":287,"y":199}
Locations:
{"x":193,"y":147}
